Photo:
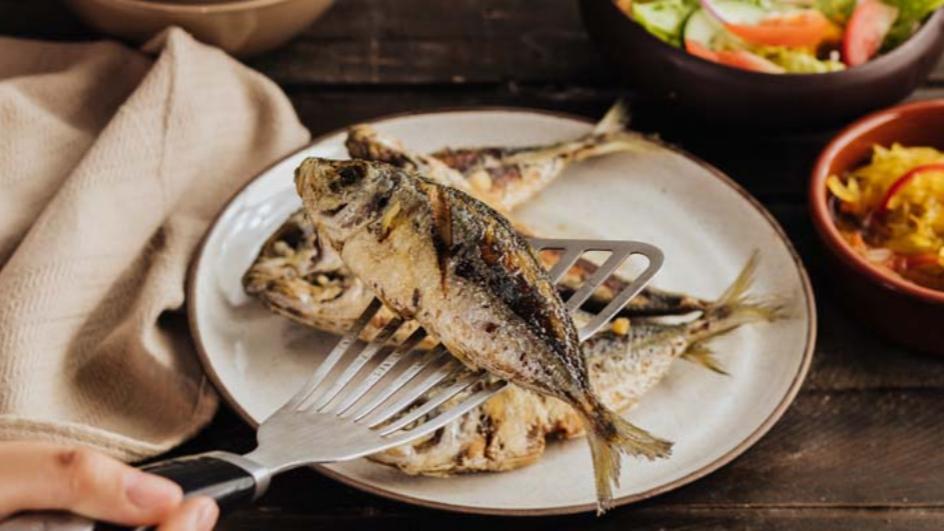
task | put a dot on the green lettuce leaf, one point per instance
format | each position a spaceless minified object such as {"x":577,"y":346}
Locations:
{"x":664,"y":18}
{"x":798,"y":61}
{"x":911,"y":13}
{"x":838,"y":11}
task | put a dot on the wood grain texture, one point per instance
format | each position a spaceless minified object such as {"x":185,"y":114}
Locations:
{"x":655,"y":519}
{"x":397,"y":42}
{"x":858,"y":450}
{"x":834,"y":456}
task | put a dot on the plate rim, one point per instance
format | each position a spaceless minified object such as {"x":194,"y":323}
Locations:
{"x":768,"y":423}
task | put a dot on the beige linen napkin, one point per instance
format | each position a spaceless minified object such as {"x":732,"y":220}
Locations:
{"x":112,"y":164}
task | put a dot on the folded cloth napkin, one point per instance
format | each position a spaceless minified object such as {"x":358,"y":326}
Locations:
{"x":113,"y":162}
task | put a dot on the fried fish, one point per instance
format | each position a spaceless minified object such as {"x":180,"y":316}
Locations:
{"x":458,"y":268}
{"x":512,"y":429}
{"x":296,"y":276}
{"x":502,"y":177}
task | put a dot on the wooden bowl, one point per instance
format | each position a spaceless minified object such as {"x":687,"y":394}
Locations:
{"x":241,"y":27}
{"x":901,"y":310}
{"x":714,"y":93}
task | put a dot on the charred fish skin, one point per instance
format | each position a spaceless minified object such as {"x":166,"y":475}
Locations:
{"x":299,"y":277}
{"x":283,"y":279}
{"x":295,"y":275}
{"x":364,"y":142}
{"x":511,"y":430}
{"x":445,"y":259}
{"x":502,"y":177}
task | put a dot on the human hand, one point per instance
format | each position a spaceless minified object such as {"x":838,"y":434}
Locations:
{"x":47,"y":476}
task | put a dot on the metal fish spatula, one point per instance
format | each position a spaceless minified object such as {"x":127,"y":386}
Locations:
{"x":368,"y":397}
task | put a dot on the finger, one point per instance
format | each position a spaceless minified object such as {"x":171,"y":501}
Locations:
{"x":35,"y":475}
{"x":194,"y":514}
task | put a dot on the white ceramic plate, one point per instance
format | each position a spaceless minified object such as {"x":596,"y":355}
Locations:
{"x":706,"y":225}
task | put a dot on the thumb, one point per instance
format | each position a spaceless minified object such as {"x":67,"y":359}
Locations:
{"x":39,"y":475}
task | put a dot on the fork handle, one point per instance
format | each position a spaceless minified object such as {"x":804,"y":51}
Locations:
{"x":230,"y":479}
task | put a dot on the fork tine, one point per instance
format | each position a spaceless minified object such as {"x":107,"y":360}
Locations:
{"x":431,"y":357}
{"x":433,"y":424}
{"x":344,"y":344}
{"x":393,"y":358}
{"x":408,"y":393}
{"x":377,"y":343}
{"x":462,"y":384}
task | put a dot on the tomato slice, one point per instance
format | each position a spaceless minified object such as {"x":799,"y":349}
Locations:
{"x":748,"y":61}
{"x":807,"y":28}
{"x":902,"y":181}
{"x":742,"y":59}
{"x":700,"y":50}
{"x":915,"y":261}
{"x":869,"y":24}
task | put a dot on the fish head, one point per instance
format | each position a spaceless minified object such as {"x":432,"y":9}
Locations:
{"x":340,"y":196}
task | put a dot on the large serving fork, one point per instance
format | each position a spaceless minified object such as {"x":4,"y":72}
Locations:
{"x":366,"y":397}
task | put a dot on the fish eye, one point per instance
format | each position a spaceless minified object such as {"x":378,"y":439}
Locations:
{"x":348,"y":176}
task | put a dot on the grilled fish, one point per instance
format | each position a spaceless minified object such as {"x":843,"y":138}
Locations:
{"x":298,"y":277}
{"x":512,"y":429}
{"x":436,"y":255}
{"x":502,"y":177}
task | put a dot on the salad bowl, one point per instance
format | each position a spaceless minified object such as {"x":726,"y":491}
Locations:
{"x":900,"y":310}
{"x":708,"y":91}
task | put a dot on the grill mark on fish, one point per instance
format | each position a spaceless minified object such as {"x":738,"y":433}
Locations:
{"x":623,"y":368}
{"x":441,"y":231}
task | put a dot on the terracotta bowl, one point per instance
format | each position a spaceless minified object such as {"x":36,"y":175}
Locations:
{"x":241,"y":27}
{"x":715,"y":93}
{"x":898,"y":309}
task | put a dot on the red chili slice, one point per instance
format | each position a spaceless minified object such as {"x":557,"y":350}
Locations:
{"x":921,"y":260}
{"x":902,"y":181}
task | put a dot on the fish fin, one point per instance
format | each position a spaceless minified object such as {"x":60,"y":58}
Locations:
{"x":613,"y":435}
{"x":742,"y":283}
{"x":615,"y":119}
{"x":704,"y":356}
{"x":735,"y":307}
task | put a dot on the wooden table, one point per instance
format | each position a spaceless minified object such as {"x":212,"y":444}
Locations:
{"x":861,"y":446}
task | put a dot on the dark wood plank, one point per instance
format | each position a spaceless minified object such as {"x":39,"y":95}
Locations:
{"x":654,"y":519}
{"x":393,"y":42}
{"x":462,"y":41}
{"x":833,"y":453}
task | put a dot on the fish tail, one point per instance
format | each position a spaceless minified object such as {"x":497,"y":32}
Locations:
{"x":616,"y":119}
{"x":742,"y":284}
{"x":610,"y":436}
{"x":734,"y":308}
{"x":608,"y":136}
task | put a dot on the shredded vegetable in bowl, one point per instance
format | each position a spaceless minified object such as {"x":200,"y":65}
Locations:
{"x":891,"y":211}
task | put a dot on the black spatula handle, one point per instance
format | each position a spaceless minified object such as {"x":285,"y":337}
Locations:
{"x":230,"y":479}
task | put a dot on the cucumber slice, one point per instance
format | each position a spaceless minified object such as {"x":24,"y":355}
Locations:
{"x":704,"y":28}
{"x":663,"y":18}
{"x":735,"y":11}
{"x":701,"y":28}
